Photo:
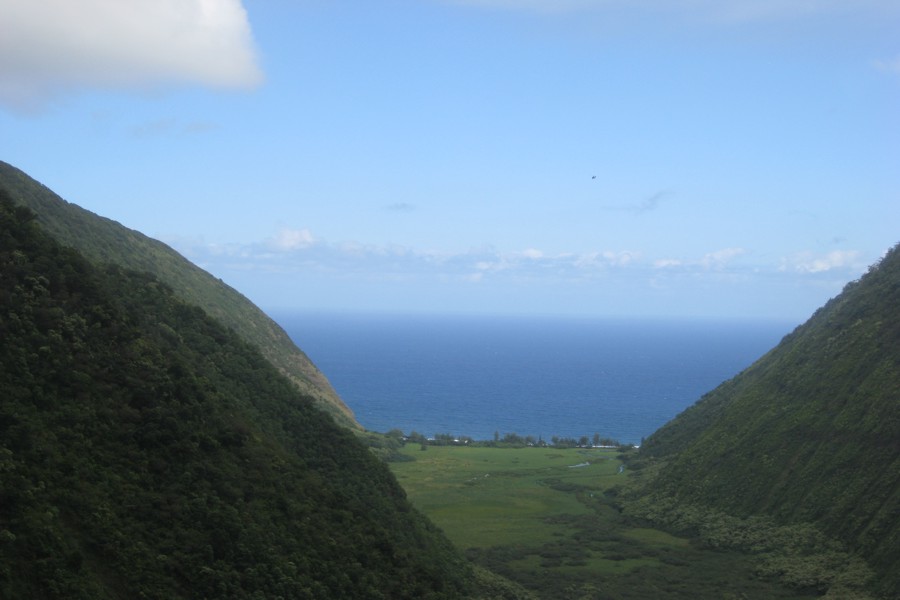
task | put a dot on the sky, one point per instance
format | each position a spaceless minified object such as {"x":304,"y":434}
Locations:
{"x":608,"y":158}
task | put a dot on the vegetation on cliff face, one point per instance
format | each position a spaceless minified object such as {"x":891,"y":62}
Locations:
{"x":105,"y":241}
{"x":146,"y":451}
{"x":809,"y":434}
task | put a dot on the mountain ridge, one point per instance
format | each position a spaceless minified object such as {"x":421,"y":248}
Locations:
{"x":810,"y":433}
{"x":146,"y":450}
{"x":104,"y":240}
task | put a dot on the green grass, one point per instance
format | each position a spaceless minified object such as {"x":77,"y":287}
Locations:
{"x":485,"y":497}
{"x":533,"y":516}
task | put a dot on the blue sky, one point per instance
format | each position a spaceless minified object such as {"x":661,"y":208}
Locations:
{"x":582,"y":157}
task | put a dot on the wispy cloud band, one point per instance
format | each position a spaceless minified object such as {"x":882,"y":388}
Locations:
{"x":298,"y":251}
{"x":808,"y":262}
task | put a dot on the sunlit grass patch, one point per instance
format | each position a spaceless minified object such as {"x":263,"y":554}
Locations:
{"x":483,"y":497}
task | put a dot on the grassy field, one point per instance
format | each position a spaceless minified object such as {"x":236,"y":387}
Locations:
{"x":545,"y":518}
{"x":485,"y":497}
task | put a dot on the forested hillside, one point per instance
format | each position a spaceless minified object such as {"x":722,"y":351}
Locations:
{"x":104,"y":241}
{"x":810,"y":434}
{"x":146,"y":451}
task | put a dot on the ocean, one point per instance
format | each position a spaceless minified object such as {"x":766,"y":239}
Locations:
{"x":545,"y":377}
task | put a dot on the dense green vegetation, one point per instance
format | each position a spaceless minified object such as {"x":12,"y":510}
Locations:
{"x":146,"y":451}
{"x":809,"y":436}
{"x":551,"y":521}
{"x":104,"y":241}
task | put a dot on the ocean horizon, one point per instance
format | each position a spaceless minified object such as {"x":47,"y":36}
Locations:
{"x":478,"y":376}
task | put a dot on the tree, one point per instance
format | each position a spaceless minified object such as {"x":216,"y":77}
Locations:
{"x":512,"y":438}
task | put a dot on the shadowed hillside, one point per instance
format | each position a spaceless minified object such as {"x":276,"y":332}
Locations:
{"x":146,"y":451}
{"x":810,"y":434}
{"x":104,"y":241}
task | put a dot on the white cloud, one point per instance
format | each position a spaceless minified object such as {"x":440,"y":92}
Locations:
{"x":601,"y":282}
{"x":51,"y":46}
{"x":600,"y":260}
{"x":720,"y":258}
{"x":621,"y":259}
{"x":807,"y":262}
{"x":493,"y":263}
{"x":296,"y":252}
{"x":667,"y":263}
{"x":291,"y":239}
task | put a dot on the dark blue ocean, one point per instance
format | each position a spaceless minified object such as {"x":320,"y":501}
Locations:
{"x":470,"y":375}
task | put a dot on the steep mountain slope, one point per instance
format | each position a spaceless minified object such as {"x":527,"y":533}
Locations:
{"x":106,"y":241}
{"x":146,"y":451}
{"x":810,"y":433}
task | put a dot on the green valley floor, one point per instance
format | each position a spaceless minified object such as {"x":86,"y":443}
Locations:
{"x":549,"y":520}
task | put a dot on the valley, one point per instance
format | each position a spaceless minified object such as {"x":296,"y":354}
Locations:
{"x":550,"y":520}
{"x":129,"y":403}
